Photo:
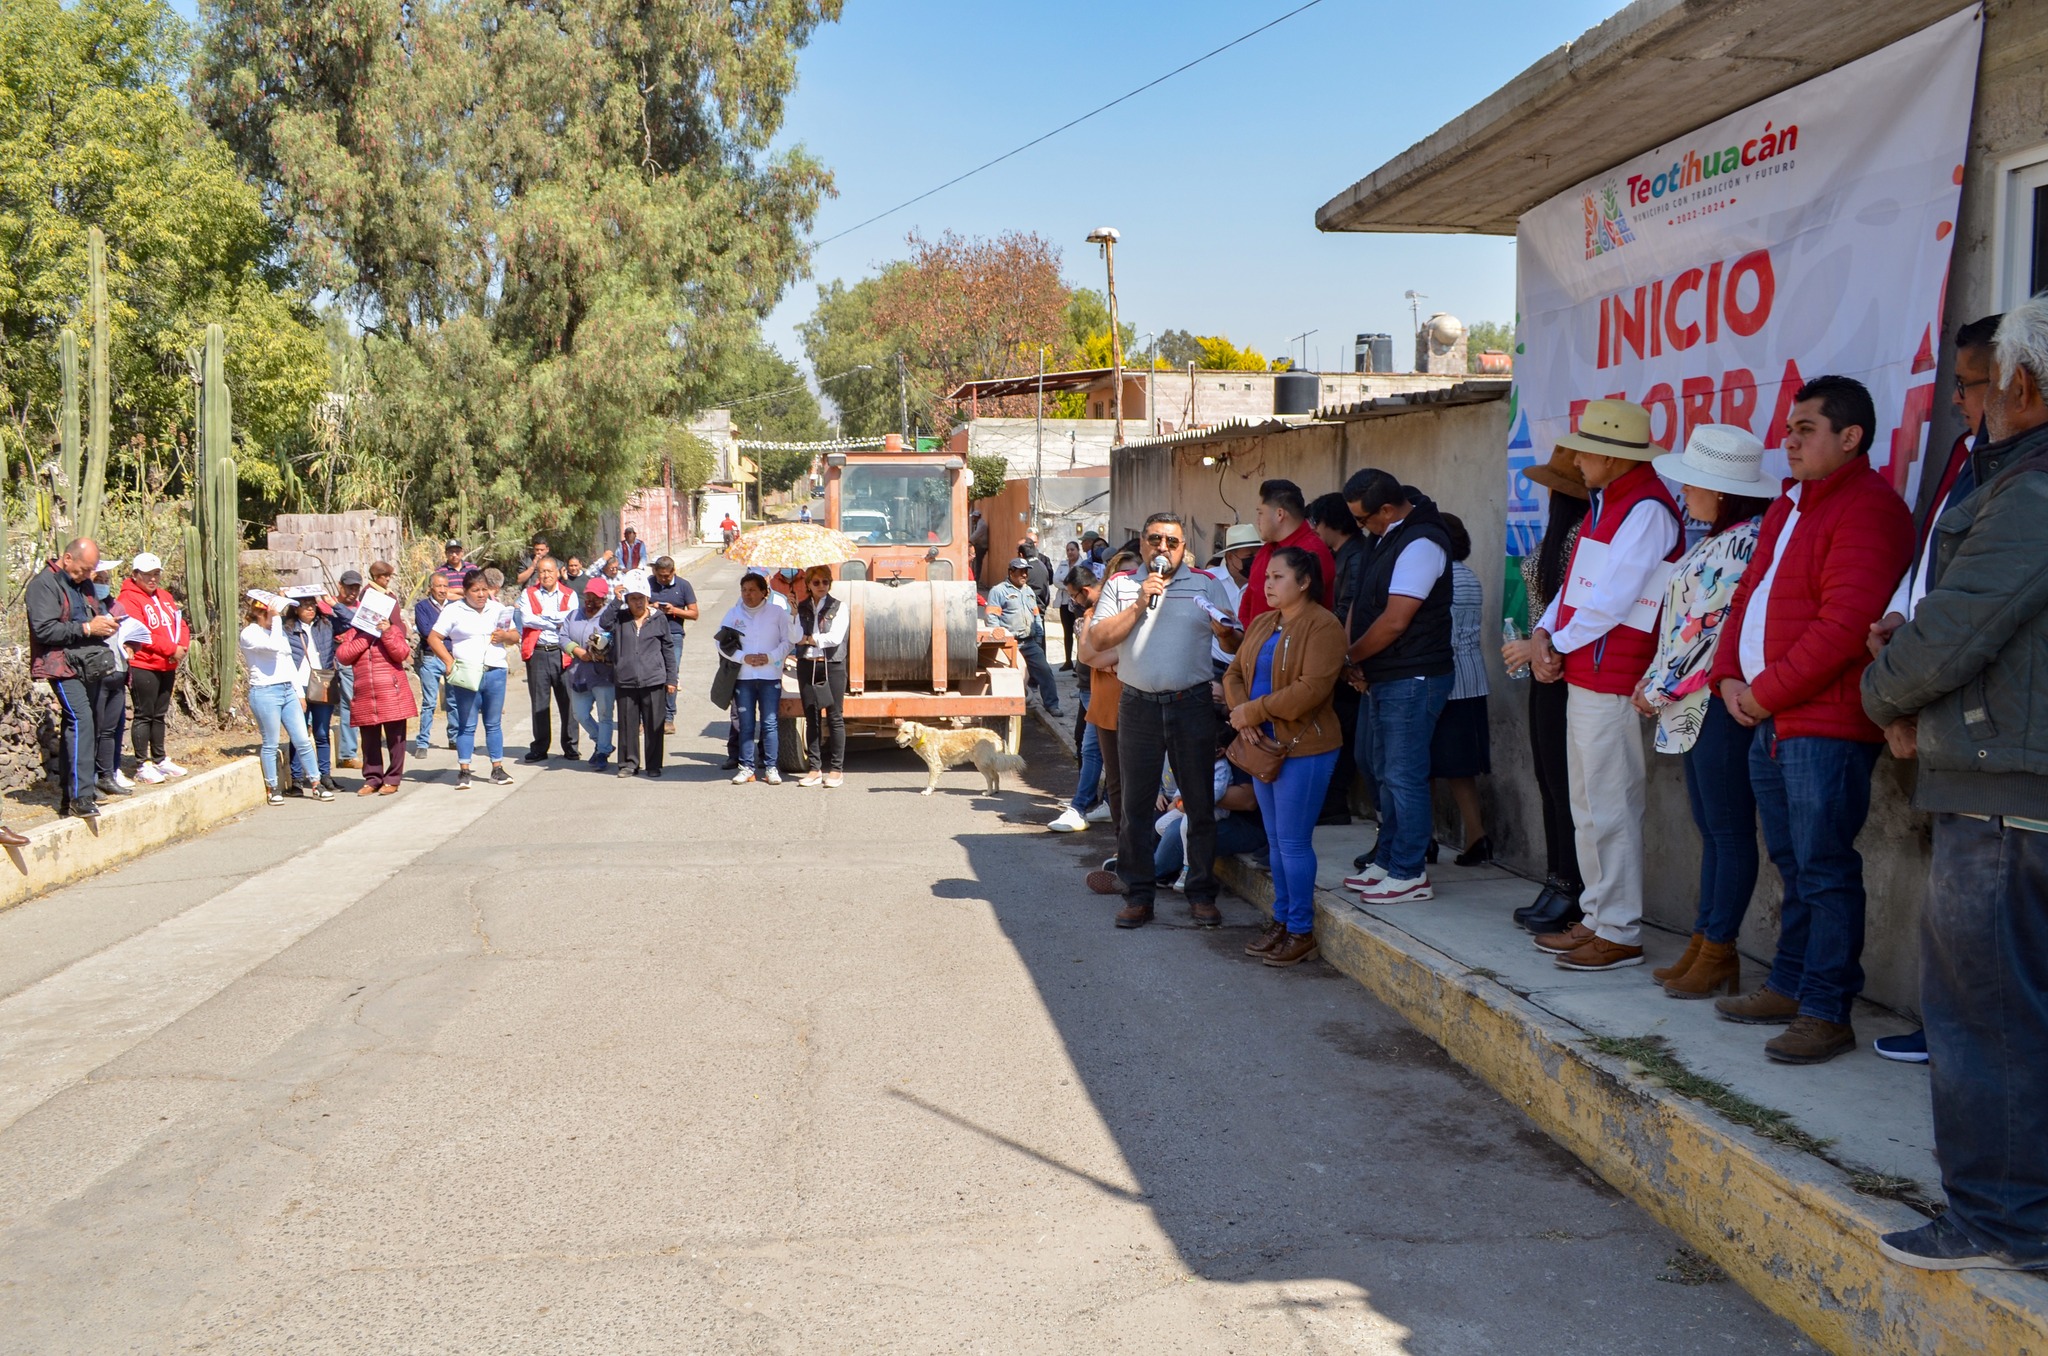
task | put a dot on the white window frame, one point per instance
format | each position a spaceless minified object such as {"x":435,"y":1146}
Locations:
{"x":2012,"y":224}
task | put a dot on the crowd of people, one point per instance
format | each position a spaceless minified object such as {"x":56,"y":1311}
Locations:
{"x":1350,"y":624}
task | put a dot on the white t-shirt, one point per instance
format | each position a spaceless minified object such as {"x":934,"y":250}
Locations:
{"x":1750,"y":645}
{"x":1418,"y":567}
{"x":468,"y":631}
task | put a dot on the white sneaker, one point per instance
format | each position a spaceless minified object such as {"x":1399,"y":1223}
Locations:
{"x":1100,"y":814}
{"x":1394,"y":890}
{"x":121,"y":780}
{"x":1366,"y":879}
{"x":812,"y":779}
{"x":742,"y":777}
{"x":774,"y":777}
{"x":1180,"y":884}
{"x":169,"y":768}
{"x":1070,"y":821}
{"x":147,"y":773}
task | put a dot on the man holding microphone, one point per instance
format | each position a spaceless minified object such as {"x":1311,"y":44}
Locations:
{"x":1158,"y":622}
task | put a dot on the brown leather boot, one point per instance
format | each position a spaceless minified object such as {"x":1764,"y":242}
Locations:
{"x":1294,"y":948}
{"x":1809,"y":1040}
{"x":1134,"y":915}
{"x":1569,"y":940}
{"x":1664,"y":974}
{"x":1716,"y":967}
{"x":1765,"y":1007}
{"x":1205,"y":913}
{"x":1267,"y":939}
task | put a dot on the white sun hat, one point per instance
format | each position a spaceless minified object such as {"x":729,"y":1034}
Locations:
{"x":1719,"y":457}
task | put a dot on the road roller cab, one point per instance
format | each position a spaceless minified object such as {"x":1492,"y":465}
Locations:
{"x":917,"y":646}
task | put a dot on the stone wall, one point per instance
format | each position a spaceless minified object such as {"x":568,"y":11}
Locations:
{"x":314,"y":548}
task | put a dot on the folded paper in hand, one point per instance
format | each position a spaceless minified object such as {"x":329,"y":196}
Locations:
{"x":1589,"y":569}
{"x":1218,"y":614}
{"x":373,"y":613}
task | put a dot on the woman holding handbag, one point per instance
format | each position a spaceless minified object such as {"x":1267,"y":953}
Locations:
{"x":470,"y":637}
{"x":383,"y":700}
{"x":312,"y":640}
{"x":1279,"y":688}
{"x":821,"y":621}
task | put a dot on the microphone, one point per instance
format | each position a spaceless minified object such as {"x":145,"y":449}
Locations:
{"x":1160,"y":566}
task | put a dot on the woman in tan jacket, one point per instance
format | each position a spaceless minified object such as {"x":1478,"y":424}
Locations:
{"x":1280,"y":684}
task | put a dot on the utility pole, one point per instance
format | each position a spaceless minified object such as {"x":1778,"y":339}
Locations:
{"x":1038,"y":432}
{"x":903,"y":398}
{"x":1151,"y":362}
{"x":1106,"y":236}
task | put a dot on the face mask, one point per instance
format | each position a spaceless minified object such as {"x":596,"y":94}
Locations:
{"x":102,"y":591}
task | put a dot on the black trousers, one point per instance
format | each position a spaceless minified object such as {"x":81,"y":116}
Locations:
{"x":824,"y":726}
{"x":1547,"y":743}
{"x":109,"y":715}
{"x":639,"y":717}
{"x":1151,"y":734}
{"x":1067,"y":619}
{"x":545,"y":675}
{"x":149,"y":700}
{"x":76,"y":779}
{"x":1337,"y":800}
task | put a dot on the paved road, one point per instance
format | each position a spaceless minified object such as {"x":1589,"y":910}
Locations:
{"x":605,"y":1066}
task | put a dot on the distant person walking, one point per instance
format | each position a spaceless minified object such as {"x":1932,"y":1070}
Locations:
{"x":383,"y":701}
{"x":67,"y":632}
{"x":470,"y":639}
{"x":632,"y":551}
{"x":153,"y":667}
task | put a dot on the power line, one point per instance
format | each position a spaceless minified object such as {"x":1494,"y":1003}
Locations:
{"x":1132,"y":94}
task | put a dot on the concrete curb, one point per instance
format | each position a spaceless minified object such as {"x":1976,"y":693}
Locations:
{"x":69,"y":850}
{"x":1059,"y":731}
{"x":1786,"y":1225}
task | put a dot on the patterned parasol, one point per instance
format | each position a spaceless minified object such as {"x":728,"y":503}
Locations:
{"x":797,"y":546}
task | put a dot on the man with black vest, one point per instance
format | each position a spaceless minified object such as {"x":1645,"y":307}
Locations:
{"x":1401,"y":651}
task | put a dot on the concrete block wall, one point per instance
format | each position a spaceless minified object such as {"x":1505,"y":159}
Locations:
{"x":1455,"y":455}
{"x":314,"y":548}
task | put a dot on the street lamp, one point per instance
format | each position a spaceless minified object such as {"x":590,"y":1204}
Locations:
{"x":1106,"y":236}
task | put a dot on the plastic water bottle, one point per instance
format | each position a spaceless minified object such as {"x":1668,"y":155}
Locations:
{"x":1511,"y":632}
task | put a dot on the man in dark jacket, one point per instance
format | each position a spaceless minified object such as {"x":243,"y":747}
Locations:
{"x":644,"y":665}
{"x":67,"y":631}
{"x":674,"y":598}
{"x":1400,"y":629}
{"x":1958,"y":686}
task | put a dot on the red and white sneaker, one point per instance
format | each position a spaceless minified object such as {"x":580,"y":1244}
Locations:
{"x":1395,"y":890}
{"x":1366,"y":879}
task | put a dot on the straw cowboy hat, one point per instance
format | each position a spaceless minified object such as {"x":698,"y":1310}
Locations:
{"x":1719,"y":457}
{"x":1560,"y":476}
{"x":1239,"y":536}
{"x":1612,"y":428}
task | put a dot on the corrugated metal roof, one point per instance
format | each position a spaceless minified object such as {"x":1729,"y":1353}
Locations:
{"x":1472,"y":392}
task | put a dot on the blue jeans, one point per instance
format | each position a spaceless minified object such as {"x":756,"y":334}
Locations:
{"x":319,"y":719}
{"x":760,"y":704}
{"x":276,"y":708}
{"x":1814,"y":794}
{"x":1032,"y":649}
{"x":593,"y":711}
{"x":1724,"y":811}
{"x":487,"y":700}
{"x":1087,"y":792}
{"x":347,"y":676}
{"x":1984,"y":996}
{"x":1290,"y":804}
{"x":1234,"y":833}
{"x":432,"y":671}
{"x":1394,"y":729}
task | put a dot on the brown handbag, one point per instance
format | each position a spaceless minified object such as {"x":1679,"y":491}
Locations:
{"x":1261,"y":756}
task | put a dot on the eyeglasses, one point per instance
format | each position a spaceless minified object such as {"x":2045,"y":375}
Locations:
{"x":1964,"y":387}
{"x":1160,"y":539}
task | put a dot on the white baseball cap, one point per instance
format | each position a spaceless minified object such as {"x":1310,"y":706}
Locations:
{"x":144,"y":563}
{"x":636,"y":582}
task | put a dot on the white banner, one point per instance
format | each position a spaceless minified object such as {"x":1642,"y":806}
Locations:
{"x":1708,"y":278}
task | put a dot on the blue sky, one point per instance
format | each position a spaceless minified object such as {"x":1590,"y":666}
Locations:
{"x":1213,"y":178}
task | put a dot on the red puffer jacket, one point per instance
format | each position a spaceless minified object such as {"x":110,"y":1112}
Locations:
{"x":383,"y":694}
{"x":1853,"y":541}
{"x":156,"y":609}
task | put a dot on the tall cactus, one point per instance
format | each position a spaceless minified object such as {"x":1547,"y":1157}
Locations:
{"x":219,"y":525}
{"x":88,"y":494}
{"x":67,"y":417}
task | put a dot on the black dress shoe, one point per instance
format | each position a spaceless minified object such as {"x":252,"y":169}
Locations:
{"x":1478,"y":854}
{"x":1429,"y":853}
{"x":535,"y":757}
{"x":1555,"y":910}
{"x":1334,"y":817}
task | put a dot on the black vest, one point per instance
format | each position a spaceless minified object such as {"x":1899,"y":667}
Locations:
{"x":1424,"y":649}
{"x":815,"y":619}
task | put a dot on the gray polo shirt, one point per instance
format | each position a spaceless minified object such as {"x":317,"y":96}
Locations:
{"x":1168,"y":649}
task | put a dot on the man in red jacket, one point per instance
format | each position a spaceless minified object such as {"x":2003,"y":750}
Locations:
{"x":1283,"y":521}
{"x":1831,"y":549}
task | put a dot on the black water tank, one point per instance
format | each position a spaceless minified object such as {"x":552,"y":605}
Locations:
{"x":1295,"y":392}
{"x":1373,"y":353}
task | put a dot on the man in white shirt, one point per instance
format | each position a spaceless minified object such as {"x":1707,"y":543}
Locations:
{"x":1598,"y":637}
